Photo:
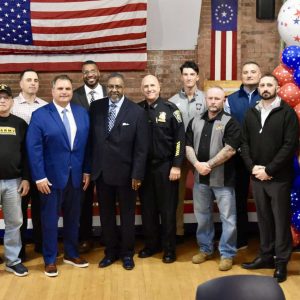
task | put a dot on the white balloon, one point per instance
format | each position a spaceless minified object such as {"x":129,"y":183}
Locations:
{"x":289,"y":22}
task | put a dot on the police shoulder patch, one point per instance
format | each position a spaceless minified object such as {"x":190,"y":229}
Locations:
{"x":177,"y":115}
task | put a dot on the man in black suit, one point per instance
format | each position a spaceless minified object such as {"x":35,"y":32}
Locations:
{"x":119,"y":143}
{"x":84,"y":95}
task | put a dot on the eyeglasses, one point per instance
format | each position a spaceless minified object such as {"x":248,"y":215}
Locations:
{"x":92,"y":72}
{"x":117,"y":87}
{"x":5,"y":98}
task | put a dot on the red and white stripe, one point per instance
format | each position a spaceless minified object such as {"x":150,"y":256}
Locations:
{"x":223,"y":64}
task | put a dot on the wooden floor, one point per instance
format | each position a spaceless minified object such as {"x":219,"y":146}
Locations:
{"x":150,"y":279}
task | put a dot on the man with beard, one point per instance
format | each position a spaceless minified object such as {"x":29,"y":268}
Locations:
{"x":270,"y":139}
{"x":24,"y":105}
{"x":211,"y":141}
{"x":119,"y":144}
{"x":84,"y":96}
{"x":191,"y":102}
{"x":237,"y":105}
{"x":159,"y":192}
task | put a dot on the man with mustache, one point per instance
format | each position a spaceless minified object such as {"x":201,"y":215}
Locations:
{"x":119,"y":144}
{"x":270,"y":140}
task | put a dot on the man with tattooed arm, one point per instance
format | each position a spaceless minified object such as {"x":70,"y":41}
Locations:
{"x":211,"y":141}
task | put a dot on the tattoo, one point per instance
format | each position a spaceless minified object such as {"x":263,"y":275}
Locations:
{"x":222,"y":156}
{"x":191,"y":155}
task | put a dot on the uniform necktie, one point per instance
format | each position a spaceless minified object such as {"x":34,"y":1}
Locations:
{"x":92,"y":92}
{"x":111,"y":116}
{"x":67,"y":124}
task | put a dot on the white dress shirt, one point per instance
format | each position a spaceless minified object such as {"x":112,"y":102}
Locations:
{"x":71,"y":119}
{"x":97,"y":95}
{"x":118,"y":104}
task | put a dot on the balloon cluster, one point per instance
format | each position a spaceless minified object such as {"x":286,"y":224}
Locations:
{"x":295,"y":195}
{"x":288,"y":76}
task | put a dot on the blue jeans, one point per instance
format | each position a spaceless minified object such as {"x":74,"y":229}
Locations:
{"x":10,"y":200}
{"x":203,"y":196}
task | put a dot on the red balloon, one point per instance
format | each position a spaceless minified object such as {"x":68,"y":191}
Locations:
{"x":283,"y":74}
{"x":297,"y":110}
{"x":290,"y":93}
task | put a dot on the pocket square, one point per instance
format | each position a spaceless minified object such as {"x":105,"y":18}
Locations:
{"x":125,"y":124}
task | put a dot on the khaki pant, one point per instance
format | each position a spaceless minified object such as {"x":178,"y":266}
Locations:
{"x":186,"y":166}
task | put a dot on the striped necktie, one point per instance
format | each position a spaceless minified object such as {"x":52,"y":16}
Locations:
{"x":92,"y":92}
{"x":111,"y":116}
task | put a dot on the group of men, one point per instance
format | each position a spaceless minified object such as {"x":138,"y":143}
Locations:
{"x":95,"y":137}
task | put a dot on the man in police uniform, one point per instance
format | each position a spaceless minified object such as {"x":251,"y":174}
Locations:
{"x":159,"y":191}
{"x":191,"y":102}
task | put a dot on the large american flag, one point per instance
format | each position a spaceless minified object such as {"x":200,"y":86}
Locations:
{"x":223,"y":64}
{"x":57,"y":35}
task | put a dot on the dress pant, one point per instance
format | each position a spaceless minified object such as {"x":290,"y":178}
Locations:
{"x":273,"y":206}
{"x":117,"y":243}
{"x":86,"y":218}
{"x":32,"y":195}
{"x":241,"y":194}
{"x":66,"y":201}
{"x":159,"y":197}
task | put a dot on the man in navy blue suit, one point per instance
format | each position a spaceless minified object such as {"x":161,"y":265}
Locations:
{"x":119,"y":143}
{"x":56,"y":143}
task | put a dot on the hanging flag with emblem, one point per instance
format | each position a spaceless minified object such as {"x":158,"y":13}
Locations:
{"x":224,"y":40}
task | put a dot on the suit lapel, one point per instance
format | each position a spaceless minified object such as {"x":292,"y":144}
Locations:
{"x":55,"y":115}
{"x":83,"y":99}
{"x":77,"y":118}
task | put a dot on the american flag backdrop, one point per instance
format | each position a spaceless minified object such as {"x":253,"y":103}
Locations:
{"x":223,"y":64}
{"x":57,"y":35}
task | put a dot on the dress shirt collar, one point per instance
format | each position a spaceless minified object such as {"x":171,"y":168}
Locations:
{"x":118,"y":103}
{"x":60,"y":108}
{"x":22,"y":100}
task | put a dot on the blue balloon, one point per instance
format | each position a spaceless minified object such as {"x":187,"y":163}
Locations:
{"x":291,"y":57}
{"x":297,"y":76}
{"x":296,"y":219}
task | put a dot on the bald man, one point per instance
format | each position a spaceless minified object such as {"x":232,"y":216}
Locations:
{"x":211,"y":141}
{"x":159,"y":191}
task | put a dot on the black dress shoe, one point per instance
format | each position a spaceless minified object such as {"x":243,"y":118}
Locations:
{"x":147,"y":252}
{"x":107,"y":261}
{"x":280,"y":272}
{"x":169,"y":257}
{"x":259,"y":263}
{"x":128,"y":263}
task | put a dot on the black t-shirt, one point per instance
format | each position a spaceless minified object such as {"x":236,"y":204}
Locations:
{"x":13,"y":160}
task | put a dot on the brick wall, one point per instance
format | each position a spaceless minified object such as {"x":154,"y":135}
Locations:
{"x":257,"y":40}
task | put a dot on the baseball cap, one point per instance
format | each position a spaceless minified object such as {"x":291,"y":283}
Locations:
{"x":6,"y":89}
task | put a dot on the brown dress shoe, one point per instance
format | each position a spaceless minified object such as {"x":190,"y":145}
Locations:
{"x":51,"y":270}
{"x":76,"y":261}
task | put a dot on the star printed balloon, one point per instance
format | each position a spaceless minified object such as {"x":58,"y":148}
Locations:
{"x":289,"y":22}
